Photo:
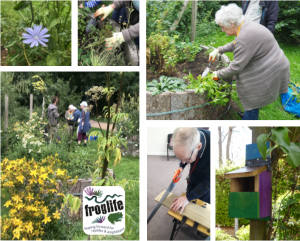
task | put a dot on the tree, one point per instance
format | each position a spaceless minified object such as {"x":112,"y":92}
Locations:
{"x":230,"y":130}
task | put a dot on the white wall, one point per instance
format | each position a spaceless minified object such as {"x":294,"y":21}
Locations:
{"x":157,"y":138}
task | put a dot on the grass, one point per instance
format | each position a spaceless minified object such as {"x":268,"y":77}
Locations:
{"x":275,"y":110}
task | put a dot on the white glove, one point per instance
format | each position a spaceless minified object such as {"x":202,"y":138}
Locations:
{"x":213,"y":55}
{"x":214,"y":76}
{"x":105,"y":11}
{"x":115,"y":40}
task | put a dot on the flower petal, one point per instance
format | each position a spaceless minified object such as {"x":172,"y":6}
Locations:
{"x":33,"y":43}
{"x":44,"y":36}
{"x":30,"y":30}
{"x":44,"y":30}
{"x":44,"y":40}
{"x":25,"y":35}
{"x":28,"y":41}
{"x":42,"y":43}
{"x":36,"y":43}
{"x":39,"y":29}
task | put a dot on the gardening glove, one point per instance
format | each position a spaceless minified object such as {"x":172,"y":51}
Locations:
{"x":213,"y":55}
{"x":91,"y":4}
{"x":81,"y":128}
{"x":114,"y":41}
{"x":214,"y":76}
{"x":105,"y":11}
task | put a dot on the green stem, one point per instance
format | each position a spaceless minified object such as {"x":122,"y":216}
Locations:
{"x":25,"y":55}
{"x":67,"y":18}
{"x":32,"y":14}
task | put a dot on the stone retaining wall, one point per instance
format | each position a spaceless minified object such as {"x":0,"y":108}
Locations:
{"x":169,"y":101}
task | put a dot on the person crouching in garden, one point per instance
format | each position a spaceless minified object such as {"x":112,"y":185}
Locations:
{"x":84,"y":125}
{"x":53,"y":115}
{"x":192,"y":146}
{"x":124,"y":12}
{"x":69,"y":116}
{"x":261,"y":70}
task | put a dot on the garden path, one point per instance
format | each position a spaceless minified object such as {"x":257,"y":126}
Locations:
{"x":103,"y":125}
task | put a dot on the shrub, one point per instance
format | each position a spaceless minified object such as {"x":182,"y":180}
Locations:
{"x":221,"y":235}
{"x":35,"y":198}
{"x":243,"y":233}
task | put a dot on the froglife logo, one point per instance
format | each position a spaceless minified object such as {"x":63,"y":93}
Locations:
{"x":103,"y":210}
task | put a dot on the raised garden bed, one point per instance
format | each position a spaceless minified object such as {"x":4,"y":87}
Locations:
{"x":170,"y":101}
{"x":91,"y":46}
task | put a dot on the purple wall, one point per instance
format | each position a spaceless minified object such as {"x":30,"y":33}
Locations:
{"x":265,"y":194}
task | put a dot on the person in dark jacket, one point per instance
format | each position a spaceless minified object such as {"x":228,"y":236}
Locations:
{"x":76,"y":117}
{"x":192,"y":146}
{"x":84,"y":125}
{"x":263,"y":12}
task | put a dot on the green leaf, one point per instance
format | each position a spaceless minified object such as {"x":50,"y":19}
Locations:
{"x":11,"y":44}
{"x":261,"y":144}
{"x":51,"y":60}
{"x":293,"y":157}
{"x":282,"y":136}
{"x":21,"y":5}
{"x":292,"y":201}
{"x":99,"y":183}
{"x":53,"y":23}
{"x":297,"y":196}
{"x":270,"y":150}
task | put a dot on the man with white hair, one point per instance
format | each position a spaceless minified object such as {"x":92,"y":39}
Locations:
{"x":84,"y":125}
{"x":192,"y":146}
{"x":260,"y":67}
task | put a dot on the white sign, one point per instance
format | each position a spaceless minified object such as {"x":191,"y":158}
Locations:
{"x":103,"y":210}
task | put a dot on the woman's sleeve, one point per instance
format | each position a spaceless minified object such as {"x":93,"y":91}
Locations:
{"x":242,"y":56}
{"x":83,"y":116}
{"x":119,"y":4}
{"x":131,"y":33}
{"x":226,"y":48}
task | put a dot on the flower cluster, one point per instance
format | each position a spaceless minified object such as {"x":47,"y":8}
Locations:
{"x":35,"y":196}
{"x":31,"y":133}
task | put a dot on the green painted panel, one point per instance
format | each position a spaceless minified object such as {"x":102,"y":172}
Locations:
{"x":244,"y":205}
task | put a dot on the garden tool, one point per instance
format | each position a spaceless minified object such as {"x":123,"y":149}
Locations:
{"x":167,"y":192}
{"x":94,"y":21}
{"x":207,"y":69}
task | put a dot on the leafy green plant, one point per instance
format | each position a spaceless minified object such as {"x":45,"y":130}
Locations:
{"x":243,"y":233}
{"x":212,"y":89}
{"x":221,"y":235}
{"x":166,"y":84}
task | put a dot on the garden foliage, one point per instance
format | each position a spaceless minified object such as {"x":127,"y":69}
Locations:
{"x":55,"y":16}
{"x":166,"y":84}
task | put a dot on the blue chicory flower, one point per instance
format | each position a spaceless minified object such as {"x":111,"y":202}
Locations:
{"x":36,"y":36}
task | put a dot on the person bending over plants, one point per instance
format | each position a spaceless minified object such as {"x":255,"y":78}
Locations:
{"x":76,"y":117}
{"x":53,"y":118}
{"x":192,"y":146}
{"x":261,"y":69}
{"x":84,"y":125}
{"x":127,"y":14}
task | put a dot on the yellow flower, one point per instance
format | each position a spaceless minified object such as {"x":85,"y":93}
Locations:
{"x":29,"y":197}
{"x":56,"y":215}
{"x":29,"y":227}
{"x":44,"y":176}
{"x":60,"y":194}
{"x":17,"y":199}
{"x":32,"y":181}
{"x":46,"y":220}
{"x":20,"y":205}
{"x":4,"y":227}
{"x":56,"y":154}
{"x":60,"y":172}
{"x":40,"y":181}
{"x":8,"y":203}
{"x":45,"y":210}
{"x":33,"y":173}
{"x":12,"y":211}
{"x":20,"y":178}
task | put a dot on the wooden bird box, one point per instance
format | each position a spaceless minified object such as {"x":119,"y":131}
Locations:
{"x":250,"y":194}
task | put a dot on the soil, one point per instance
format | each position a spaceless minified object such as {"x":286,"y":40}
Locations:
{"x":196,"y":67}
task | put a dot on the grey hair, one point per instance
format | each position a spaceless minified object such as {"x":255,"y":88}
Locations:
{"x":186,"y":136}
{"x":230,"y":14}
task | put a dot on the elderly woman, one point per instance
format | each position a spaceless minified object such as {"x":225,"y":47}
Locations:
{"x":84,"y":125}
{"x":261,"y":69}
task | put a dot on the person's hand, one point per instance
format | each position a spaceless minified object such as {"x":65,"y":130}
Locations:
{"x":214,"y":76}
{"x":213,"y":55}
{"x":105,"y":11}
{"x":80,"y":6}
{"x":179,"y":202}
{"x":180,"y":173}
{"x":114,"y":41}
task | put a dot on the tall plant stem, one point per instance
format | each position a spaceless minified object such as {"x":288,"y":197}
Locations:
{"x":98,"y":119}
{"x":67,"y":18}
{"x":32,"y":14}
{"x":119,"y":97}
{"x":25,"y":55}
{"x":108,"y":121}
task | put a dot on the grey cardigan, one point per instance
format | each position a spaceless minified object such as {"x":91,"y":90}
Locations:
{"x":134,"y":30}
{"x":262,"y":70}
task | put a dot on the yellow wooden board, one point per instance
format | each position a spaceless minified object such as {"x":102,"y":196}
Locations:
{"x":192,"y":211}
